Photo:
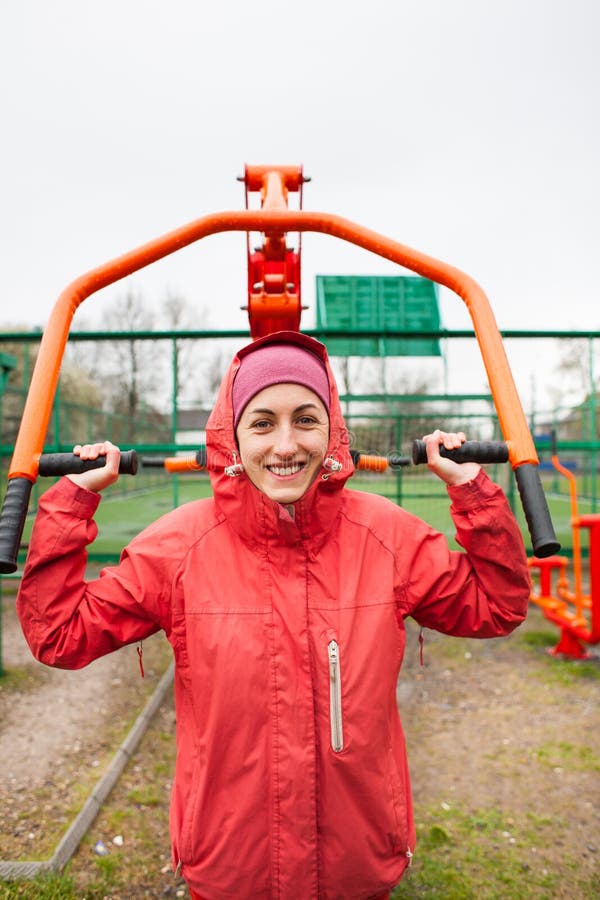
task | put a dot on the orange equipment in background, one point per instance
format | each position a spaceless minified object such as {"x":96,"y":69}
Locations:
{"x":576,"y":613}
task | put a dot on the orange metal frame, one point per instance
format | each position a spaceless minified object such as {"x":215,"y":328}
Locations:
{"x":273,"y":220}
{"x":274,"y":302}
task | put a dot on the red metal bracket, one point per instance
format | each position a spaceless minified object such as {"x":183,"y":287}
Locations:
{"x":274,"y":286}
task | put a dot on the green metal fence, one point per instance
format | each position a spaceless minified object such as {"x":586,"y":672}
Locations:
{"x":575,"y":428}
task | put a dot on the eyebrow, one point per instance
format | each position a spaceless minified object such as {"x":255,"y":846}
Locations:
{"x":266,"y":411}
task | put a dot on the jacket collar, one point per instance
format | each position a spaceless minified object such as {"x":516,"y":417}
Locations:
{"x":255,"y":517}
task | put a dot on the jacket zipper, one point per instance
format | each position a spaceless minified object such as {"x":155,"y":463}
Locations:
{"x":335,"y":697}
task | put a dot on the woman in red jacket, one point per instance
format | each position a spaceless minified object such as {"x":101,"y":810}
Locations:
{"x":284,"y":598}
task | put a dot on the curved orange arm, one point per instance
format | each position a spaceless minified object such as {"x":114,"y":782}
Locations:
{"x":37,"y":410}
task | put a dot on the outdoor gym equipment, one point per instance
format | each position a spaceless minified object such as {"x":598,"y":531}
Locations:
{"x":576,"y":613}
{"x":53,"y":464}
{"x":471,"y":451}
{"x":274,"y":303}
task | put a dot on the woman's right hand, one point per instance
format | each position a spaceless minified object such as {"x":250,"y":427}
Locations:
{"x":97,"y":479}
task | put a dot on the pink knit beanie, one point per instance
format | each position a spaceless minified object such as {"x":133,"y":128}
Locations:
{"x":277,"y":364}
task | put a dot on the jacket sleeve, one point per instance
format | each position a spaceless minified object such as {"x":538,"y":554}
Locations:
{"x":483,"y":592}
{"x":67,"y":621}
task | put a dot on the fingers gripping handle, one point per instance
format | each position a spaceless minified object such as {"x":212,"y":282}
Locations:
{"x":12,"y":522}
{"x":471,"y":451}
{"x":18,"y":492}
{"x":535,"y":507}
{"x":533,"y":499}
{"x":71,"y":464}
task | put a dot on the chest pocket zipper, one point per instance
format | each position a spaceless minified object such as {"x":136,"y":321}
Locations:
{"x":335,"y":697}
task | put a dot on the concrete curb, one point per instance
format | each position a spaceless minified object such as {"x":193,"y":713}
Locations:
{"x":13,"y":871}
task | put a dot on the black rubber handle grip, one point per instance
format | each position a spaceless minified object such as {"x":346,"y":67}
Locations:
{"x":471,"y":451}
{"x":535,"y":507}
{"x":152,"y":462}
{"x":398,"y":462}
{"x":70,"y":464}
{"x":12,"y":522}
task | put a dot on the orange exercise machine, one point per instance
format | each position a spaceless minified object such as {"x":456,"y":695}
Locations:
{"x":274,"y":303}
{"x":576,"y":613}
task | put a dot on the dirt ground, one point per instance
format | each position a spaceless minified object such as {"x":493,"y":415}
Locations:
{"x":490,"y":725}
{"x":58,"y":732}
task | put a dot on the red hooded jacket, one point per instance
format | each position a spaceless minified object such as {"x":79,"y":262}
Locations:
{"x":288,"y":634}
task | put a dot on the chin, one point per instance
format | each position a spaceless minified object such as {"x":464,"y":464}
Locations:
{"x":286,"y":493}
{"x":286,"y":499}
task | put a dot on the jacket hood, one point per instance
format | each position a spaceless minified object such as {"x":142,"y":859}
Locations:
{"x":252,"y":513}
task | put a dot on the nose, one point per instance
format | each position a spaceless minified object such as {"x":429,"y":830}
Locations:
{"x":285,"y":444}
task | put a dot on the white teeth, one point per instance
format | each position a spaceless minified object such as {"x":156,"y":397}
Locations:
{"x":285,"y":470}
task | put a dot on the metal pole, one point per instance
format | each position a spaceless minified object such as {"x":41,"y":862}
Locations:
{"x":593,"y":425}
{"x":174,"y":396}
{"x":56,"y":416}
{"x":399,"y":470}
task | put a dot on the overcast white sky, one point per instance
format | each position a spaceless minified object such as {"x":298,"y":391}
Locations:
{"x":467,"y":129}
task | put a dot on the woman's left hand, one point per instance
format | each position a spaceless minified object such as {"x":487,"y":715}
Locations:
{"x":449,"y":471}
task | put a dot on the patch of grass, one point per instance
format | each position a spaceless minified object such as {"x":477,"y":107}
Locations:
{"x":116,"y":819}
{"x":538,"y":639}
{"x":574,"y":670}
{"x":538,"y":822}
{"x":556,"y":669}
{"x":22,"y":679}
{"x":566,"y":755}
{"x":52,"y":829}
{"x":45,"y":887}
{"x":107,"y":866}
{"x":567,"y":672}
{"x":144,"y":796}
{"x":484,"y":855}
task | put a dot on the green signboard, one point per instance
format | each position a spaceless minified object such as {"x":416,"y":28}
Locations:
{"x":385,"y":303}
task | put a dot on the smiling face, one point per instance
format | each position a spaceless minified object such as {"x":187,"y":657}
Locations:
{"x":283,"y":435}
